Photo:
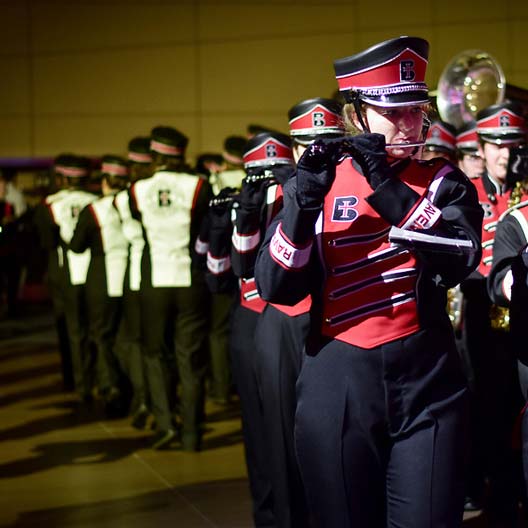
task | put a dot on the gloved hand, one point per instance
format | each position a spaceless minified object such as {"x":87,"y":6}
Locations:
{"x":369,"y":152}
{"x":316,"y":171}
{"x":253,"y":194}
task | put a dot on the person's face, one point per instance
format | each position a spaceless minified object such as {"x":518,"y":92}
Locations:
{"x":496,"y":159}
{"x":472,"y":165}
{"x":400,"y":125}
{"x":298,"y":150}
{"x":431,"y":154}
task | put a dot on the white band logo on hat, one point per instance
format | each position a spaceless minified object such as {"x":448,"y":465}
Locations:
{"x":316,"y":120}
{"x":270,"y":152}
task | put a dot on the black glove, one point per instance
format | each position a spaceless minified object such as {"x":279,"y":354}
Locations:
{"x":369,"y":152}
{"x":316,"y":171}
{"x":253,"y":194}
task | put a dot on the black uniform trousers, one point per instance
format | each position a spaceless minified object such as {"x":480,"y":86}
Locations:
{"x":219,"y":329}
{"x":243,"y":360}
{"x":280,"y":344}
{"x":128,"y":346}
{"x":182,"y":314}
{"x":496,"y":402}
{"x":381,"y":433}
{"x":56,"y":288}
{"x":77,"y":324}
{"x":104,"y":313}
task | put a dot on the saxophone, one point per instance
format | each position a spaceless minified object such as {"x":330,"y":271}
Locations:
{"x":500,"y":315}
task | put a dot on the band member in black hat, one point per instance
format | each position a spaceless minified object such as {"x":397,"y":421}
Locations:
{"x":128,"y":339}
{"x":440,"y":142}
{"x":63,"y":216}
{"x":382,"y":400}
{"x":267,"y":157}
{"x":49,"y":238}
{"x":500,"y":396}
{"x":467,"y":145}
{"x":99,"y":230}
{"x":171,"y":205}
{"x":499,"y":128}
{"x":280,"y":336}
{"x":230,"y":176}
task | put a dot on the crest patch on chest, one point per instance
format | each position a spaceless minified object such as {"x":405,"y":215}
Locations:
{"x":345,"y":209}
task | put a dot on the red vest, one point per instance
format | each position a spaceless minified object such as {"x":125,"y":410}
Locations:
{"x":369,"y":295}
{"x":492,"y":212}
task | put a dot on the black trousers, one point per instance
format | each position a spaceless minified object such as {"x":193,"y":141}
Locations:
{"x":381,"y":433}
{"x":180,"y":313}
{"x":128,"y":346}
{"x":104,"y":314}
{"x":219,"y":330}
{"x":280,"y":343}
{"x":75,"y":310}
{"x":243,"y":360}
{"x":496,"y":401}
{"x":56,"y":287}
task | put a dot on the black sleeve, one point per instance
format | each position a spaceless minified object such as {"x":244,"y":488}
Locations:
{"x":459,"y":217}
{"x":47,"y":229}
{"x":85,"y":230}
{"x":199,"y":212}
{"x":219,"y":276}
{"x":285,"y":270}
{"x":509,"y":240}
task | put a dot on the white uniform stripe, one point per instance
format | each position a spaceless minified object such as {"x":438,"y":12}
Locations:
{"x":284,"y":252}
{"x":244,"y":243}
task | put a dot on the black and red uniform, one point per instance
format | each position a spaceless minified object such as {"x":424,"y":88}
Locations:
{"x":481,"y":348}
{"x":505,"y":399}
{"x":382,"y":401}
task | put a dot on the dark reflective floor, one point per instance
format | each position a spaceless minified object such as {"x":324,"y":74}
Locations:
{"x":62,"y":467}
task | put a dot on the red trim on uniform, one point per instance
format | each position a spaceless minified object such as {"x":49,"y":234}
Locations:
{"x":196,"y":193}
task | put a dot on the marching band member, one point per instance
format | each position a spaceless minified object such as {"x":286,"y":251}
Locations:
{"x":499,"y":128}
{"x":99,"y":231}
{"x":171,"y":205}
{"x":467,"y":146}
{"x":128,"y":339}
{"x":280,"y":336}
{"x":382,"y":401}
{"x":504,"y":399}
{"x":440,"y":141}
{"x":62,"y":217}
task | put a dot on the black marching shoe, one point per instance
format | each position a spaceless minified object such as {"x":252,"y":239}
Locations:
{"x":163,"y":439}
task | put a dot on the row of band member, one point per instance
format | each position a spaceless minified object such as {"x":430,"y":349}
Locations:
{"x":355,"y":407}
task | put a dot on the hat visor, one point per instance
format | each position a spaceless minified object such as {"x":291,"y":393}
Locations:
{"x":307,"y":139}
{"x":402,"y":99}
{"x":503,"y":139}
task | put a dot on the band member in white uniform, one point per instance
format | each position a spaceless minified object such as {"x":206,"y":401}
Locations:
{"x":171,"y":205}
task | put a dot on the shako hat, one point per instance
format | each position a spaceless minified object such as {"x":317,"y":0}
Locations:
{"x":267,"y":149}
{"x":139,"y":150}
{"x":168,"y":141}
{"x":501,"y":124}
{"x":441,"y":136}
{"x":467,"y":138}
{"x":391,"y":73}
{"x":314,"y":118}
{"x":114,"y":166}
{"x":72,"y":166}
{"x":234,"y":149}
